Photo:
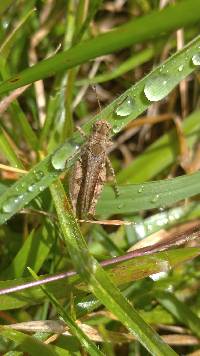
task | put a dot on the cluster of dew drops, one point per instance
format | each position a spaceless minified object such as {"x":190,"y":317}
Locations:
{"x":156,"y":88}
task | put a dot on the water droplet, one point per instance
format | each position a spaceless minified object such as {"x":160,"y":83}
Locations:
{"x":41,"y":188}
{"x":12,"y":204}
{"x":162,"y":221}
{"x":116,"y":128}
{"x":141,"y":189}
{"x":155,"y":199}
{"x":126,"y":107}
{"x":39,"y":175}
{"x":158,"y":87}
{"x":196,"y":59}
{"x":164,"y":267}
{"x":180,"y":68}
{"x":140,"y":230}
{"x":5,"y":24}
{"x":31,"y":188}
{"x":60,"y":157}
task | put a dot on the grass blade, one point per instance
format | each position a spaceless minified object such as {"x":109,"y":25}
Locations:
{"x":98,"y":280}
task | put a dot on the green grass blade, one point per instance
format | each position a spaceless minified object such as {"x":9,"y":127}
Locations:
{"x":150,"y":195}
{"x":99,"y":282}
{"x":144,"y":28}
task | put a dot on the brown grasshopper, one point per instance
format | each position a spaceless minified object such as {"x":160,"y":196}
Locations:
{"x":89,"y":172}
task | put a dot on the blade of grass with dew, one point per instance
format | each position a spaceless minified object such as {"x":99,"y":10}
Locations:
{"x":98,"y":280}
{"x":47,"y":170}
{"x":145,"y":28}
{"x":84,"y":340}
{"x":165,"y":219}
{"x":157,"y":194}
{"x":180,"y":311}
{"x":27,"y":343}
{"x":136,"y":268}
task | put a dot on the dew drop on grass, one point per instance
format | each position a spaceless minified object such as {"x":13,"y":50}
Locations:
{"x":12,"y":204}
{"x":180,"y":68}
{"x":116,"y":128}
{"x":31,"y":188}
{"x":155,"y":198}
{"x":158,"y":87}
{"x":59,"y":158}
{"x":196,"y":59}
{"x":126,"y":107}
{"x":39,"y":175}
{"x":141,"y":189}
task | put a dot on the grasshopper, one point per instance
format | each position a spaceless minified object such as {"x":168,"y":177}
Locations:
{"x":90,"y":171}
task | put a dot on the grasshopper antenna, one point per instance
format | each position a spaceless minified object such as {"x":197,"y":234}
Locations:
{"x":98,"y":101}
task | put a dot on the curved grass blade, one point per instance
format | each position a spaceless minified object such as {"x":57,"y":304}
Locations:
{"x":45,"y":172}
{"x":147,"y":27}
{"x":138,"y":197}
{"x":98,"y":280}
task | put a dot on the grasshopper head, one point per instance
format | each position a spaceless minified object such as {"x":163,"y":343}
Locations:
{"x":102,"y":127}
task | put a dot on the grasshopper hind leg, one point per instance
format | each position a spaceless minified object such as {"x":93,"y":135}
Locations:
{"x":75,"y":184}
{"x":112,"y":173}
